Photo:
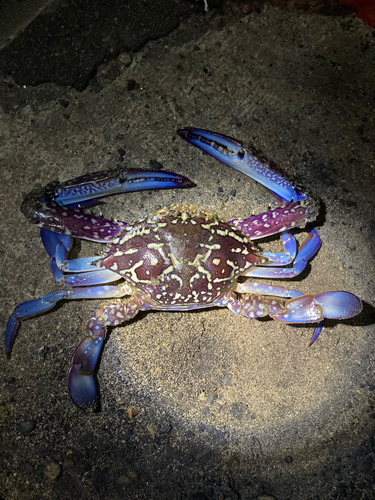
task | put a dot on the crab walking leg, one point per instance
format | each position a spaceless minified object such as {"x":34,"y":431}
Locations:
{"x":82,"y":264}
{"x":38,"y":306}
{"x":27,"y":310}
{"x":308,"y":249}
{"x":334,"y":305}
{"x":261,"y":289}
{"x":283,"y":259}
{"x":81,"y":380}
{"x":91,"y":278}
{"x":57,"y":247}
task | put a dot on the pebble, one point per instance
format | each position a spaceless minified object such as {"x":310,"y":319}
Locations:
{"x":52,"y":471}
{"x":246,"y":9}
{"x":64,"y":103}
{"x":43,"y":351}
{"x":165,"y":429}
{"x":212,"y":397}
{"x":155,"y":165}
{"x":125,"y":59}
{"x":266,"y":497}
{"x":41,"y":451}
{"x":124,"y":480}
{"x":26,"y":426}
{"x":127,"y":478}
{"x":131,"y":412}
{"x":95,"y":85}
{"x":131,"y":84}
{"x":238,"y":410}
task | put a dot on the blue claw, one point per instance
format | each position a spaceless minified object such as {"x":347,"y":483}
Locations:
{"x":234,"y":155}
{"x":339,"y":305}
{"x":83,"y":191}
{"x":108,"y":182}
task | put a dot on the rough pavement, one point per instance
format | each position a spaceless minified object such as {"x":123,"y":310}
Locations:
{"x":203,"y":404}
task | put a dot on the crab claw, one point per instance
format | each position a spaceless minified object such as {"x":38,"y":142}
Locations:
{"x":234,"y":155}
{"x":52,"y":209}
{"x":314,"y":308}
{"x":310,"y":308}
{"x":339,"y":305}
{"x":91,"y":186}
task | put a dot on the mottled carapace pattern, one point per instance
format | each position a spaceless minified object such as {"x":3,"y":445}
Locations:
{"x":181,"y":256}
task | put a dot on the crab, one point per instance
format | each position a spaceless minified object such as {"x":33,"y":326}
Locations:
{"x":176,"y":259}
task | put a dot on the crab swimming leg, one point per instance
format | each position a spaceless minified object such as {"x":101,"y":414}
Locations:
{"x":81,"y":380}
{"x":55,"y":210}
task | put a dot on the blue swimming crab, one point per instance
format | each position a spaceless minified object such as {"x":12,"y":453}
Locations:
{"x":176,"y":259}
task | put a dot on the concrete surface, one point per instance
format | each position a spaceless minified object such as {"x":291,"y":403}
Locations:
{"x":204,"y":404}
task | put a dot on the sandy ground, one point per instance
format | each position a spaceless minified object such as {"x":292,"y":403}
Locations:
{"x":203,"y":404}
